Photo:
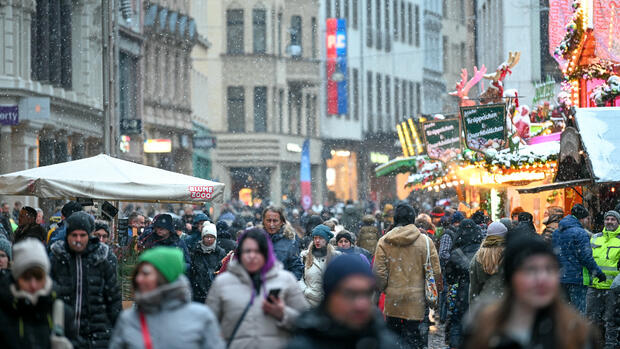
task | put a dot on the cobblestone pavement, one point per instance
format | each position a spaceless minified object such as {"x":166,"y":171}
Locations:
{"x":436,"y":337}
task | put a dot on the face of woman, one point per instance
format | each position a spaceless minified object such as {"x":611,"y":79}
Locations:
{"x":146,"y":278}
{"x":319,"y":242}
{"x":272,"y":222}
{"x":251,"y":258}
{"x":31,"y":282}
{"x":536,"y":283}
{"x":4,"y":260}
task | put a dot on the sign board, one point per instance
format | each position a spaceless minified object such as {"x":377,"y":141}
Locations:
{"x":442,"y":139}
{"x":157,"y":146}
{"x":485,"y":126}
{"x":131,"y":126}
{"x":336,"y":51}
{"x":34,"y":108}
{"x":204,"y":142}
{"x":545,"y":91}
{"x":9,"y":115}
{"x":293,"y":147}
{"x":379,"y":158}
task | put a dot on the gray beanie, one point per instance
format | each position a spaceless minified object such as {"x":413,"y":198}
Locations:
{"x":496,"y":229}
{"x":27,"y":254}
{"x":5,"y":245}
{"x":613,"y":214}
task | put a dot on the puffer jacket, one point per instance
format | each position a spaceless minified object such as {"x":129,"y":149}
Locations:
{"x":311,"y":283}
{"x":87,"y":283}
{"x":316,"y":329}
{"x":399,"y":267}
{"x":150,"y":239}
{"x":16,"y":309}
{"x":368,"y":235}
{"x":173,"y":321}
{"x":202,"y":270}
{"x":287,"y":252}
{"x":571,"y":243}
{"x":232,"y":291}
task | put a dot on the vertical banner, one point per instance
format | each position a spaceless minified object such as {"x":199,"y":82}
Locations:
{"x":305,"y":176}
{"x":336,"y":47}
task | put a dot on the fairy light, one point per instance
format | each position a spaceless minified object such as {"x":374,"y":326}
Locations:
{"x":401,"y":138}
{"x":408,"y":139}
{"x":416,"y":138}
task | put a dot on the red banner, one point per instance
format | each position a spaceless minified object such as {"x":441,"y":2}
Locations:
{"x":560,"y":13}
{"x":607,"y":29}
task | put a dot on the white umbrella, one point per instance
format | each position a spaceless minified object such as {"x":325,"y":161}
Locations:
{"x":103,"y":177}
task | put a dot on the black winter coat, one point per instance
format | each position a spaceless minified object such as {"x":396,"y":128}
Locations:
{"x":87,"y":283}
{"x":225,"y":241}
{"x":150,"y":239}
{"x":287,"y":252}
{"x":316,"y":329}
{"x":36,"y":329}
{"x":202,"y":270}
{"x":463,"y":250}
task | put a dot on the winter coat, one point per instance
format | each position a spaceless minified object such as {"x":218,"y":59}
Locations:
{"x":87,"y":283}
{"x":463,"y":250}
{"x":172,"y":319}
{"x":29,"y":231}
{"x":606,"y":253}
{"x":150,"y":239}
{"x":351,"y":218}
{"x":316,"y":329}
{"x":7,"y":226}
{"x":358,"y":251}
{"x":225,"y":241}
{"x":232,"y":291}
{"x":368,"y":235}
{"x":59,"y":234}
{"x":311,"y":283}
{"x":287,"y":252}
{"x":16,"y":310}
{"x":571,"y":243}
{"x":193,"y":237}
{"x":399,"y":267}
{"x":483,"y":286}
{"x":202,"y":270}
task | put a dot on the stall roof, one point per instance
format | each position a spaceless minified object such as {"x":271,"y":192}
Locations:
{"x":600,"y":136}
{"x":553,"y":186}
{"x":398,"y":165}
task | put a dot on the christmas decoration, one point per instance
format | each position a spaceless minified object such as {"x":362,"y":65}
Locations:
{"x":495,"y":92}
{"x":607,"y":92}
{"x":574,"y":33}
{"x":601,"y":70}
{"x":463,"y":87}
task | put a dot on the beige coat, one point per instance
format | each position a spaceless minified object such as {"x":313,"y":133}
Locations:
{"x":312,"y":282}
{"x":231,"y":292}
{"x":399,"y":267}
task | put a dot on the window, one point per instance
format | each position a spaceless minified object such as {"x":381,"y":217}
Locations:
{"x":356,"y":94}
{"x":127,"y":75}
{"x":369,"y":23}
{"x":411,"y":25}
{"x":369,"y":100}
{"x":388,"y":44}
{"x":418,"y":98}
{"x":404,"y":100}
{"x":395,"y":19}
{"x":50,"y":44}
{"x":234,"y":31}
{"x":260,"y":30}
{"x":354,"y":13}
{"x":412,"y":111}
{"x":397,"y":117}
{"x":388,"y":100}
{"x":337,"y":8}
{"x":346,"y":11}
{"x":378,"y":23}
{"x":309,"y":121}
{"x":313,"y":39}
{"x":379,"y":102}
{"x":328,"y":8}
{"x":446,"y":54}
{"x":417,"y":25}
{"x":236,"y":109}
{"x":403,"y":24}
{"x":281,"y":110}
{"x":462,"y":11}
{"x":260,"y":109}
{"x":280,"y":34}
{"x":296,"y":33}
{"x":315,"y":128}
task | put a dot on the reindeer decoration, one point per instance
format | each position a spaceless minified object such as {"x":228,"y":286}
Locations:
{"x":495,"y":92}
{"x":463,"y":87}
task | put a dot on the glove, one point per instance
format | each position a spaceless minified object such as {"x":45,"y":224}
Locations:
{"x":601,"y":277}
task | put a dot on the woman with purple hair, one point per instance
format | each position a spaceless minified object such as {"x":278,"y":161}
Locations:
{"x":256,"y":301}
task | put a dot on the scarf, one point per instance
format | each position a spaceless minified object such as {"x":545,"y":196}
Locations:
{"x":494,"y":241}
{"x":208,"y":249}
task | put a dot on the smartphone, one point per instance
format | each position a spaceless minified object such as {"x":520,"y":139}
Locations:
{"x":274,"y":292}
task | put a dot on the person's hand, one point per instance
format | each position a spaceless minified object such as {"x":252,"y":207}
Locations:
{"x":274,"y":308}
{"x":601,"y":277}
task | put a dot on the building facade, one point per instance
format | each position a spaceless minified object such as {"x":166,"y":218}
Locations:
{"x":263,"y":89}
{"x":50,"y":83}
{"x":434,"y":86}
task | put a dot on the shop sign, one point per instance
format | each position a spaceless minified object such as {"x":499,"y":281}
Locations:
{"x":131,"y":126}
{"x":124,"y":145}
{"x":379,"y":158}
{"x":486,"y":178}
{"x":9,"y":115}
{"x":442,"y":139}
{"x":293,"y":147}
{"x":485,"y":126}
{"x":157,"y":146}
{"x":545,"y":91}
{"x":204,"y":142}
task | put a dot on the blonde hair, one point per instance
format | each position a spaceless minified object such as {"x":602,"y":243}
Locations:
{"x":490,"y":254}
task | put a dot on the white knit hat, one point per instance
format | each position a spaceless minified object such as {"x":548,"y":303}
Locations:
{"x":208,"y":228}
{"x":27,"y":254}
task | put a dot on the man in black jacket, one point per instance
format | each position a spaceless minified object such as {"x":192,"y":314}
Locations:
{"x":84,"y":274}
{"x":347,"y":317}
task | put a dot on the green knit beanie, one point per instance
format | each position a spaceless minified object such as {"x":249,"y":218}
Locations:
{"x":168,"y":261}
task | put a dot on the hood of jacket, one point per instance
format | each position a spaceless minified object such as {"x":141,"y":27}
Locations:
{"x":611,"y":234}
{"x":568,"y":222}
{"x":95,"y":250}
{"x":368,"y":219}
{"x":402,"y":235}
{"x":165,"y":297}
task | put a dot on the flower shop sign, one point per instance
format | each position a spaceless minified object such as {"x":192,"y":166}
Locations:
{"x":442,"y":139}
{"x":485,"y":126}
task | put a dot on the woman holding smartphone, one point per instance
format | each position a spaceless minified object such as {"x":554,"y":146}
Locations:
{"x":256,"y":301}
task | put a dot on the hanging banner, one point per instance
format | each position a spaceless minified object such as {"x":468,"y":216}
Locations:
{"x":305,"y":176}
{"x":336,"y":44}
{"x":560,"y":13}
{"x":442,"y":139}
{"x":606,"y":29}
{"x":9,"y":115}
{"x":485,"y":126}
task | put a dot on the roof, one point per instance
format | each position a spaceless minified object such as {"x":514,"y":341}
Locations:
{"x":398,"y":165}
{"x":598,"y":129}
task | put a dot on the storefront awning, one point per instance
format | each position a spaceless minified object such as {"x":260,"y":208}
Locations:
{"x":598,"y":128}
{"x":553,"y":186}
{"x":398,"y":165}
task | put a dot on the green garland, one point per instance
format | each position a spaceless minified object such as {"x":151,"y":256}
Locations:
{"x":601,"y":70}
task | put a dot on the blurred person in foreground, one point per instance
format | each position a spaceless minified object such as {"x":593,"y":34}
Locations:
{"x":532,"y":313}
{"x":164,"y":315}
{"x":346,"y":317}
{"x":256,"y":301}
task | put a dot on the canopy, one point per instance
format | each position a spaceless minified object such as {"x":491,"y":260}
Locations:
{"x":598,"y":128}
{"x":106,"y":178}
{"x":398,"y":165}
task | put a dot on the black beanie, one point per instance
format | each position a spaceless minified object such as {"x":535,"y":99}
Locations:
{"x":80,"y":221}
{"x":478,"y":217}
{"x":344,"y":234}
{"x":579,"y":211}
{"x":404,"y":214}
{"x":519,"y":247}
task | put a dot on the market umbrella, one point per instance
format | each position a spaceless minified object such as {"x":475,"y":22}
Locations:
{"x":103,"y":177}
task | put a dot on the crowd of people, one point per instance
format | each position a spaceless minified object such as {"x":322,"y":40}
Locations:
{"x":342,"y":276}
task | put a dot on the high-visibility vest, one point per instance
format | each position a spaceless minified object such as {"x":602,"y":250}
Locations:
{"x":606,"y":253}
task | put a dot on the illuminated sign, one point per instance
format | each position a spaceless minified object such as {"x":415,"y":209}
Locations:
{"x":486,"y":178}
{"x":379,"y":158}
{"x":124,"y":144}
{"x":293,"y":147}
{"x":157,"y":146}
{"x":336,"y":50}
